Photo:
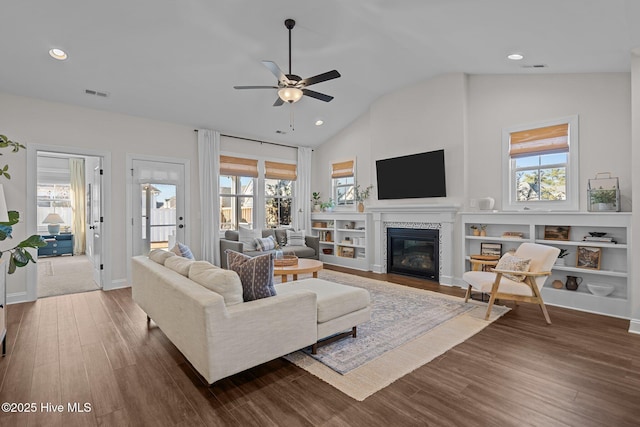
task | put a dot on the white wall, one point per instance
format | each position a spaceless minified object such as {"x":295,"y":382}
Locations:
{"x":635,"y":159}
{"x":602,"y":102}
{"x":32,"y":121}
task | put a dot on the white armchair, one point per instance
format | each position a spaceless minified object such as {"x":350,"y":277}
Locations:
{"x":500,"y":287}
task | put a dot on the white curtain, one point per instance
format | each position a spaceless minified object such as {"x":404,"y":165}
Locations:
{"x":78,"y":204}
{"x":208,"y":171}
{"x":303,"y":189}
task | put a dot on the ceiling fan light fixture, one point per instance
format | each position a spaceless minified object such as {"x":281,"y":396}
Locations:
{"x":290,"y":94}
{"x":58,"y":54}
{"x":515,"y":56}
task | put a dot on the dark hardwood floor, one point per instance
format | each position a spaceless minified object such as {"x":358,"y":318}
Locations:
{"x":583,"y":370}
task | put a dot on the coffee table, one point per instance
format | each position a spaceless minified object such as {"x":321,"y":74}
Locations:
{"x":303,"y":266}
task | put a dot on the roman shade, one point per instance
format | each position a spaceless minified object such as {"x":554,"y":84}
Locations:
{"x":275,"y":170}
{"x":342,"y":169}
{"x":549,"y":139}
{"x":238,"y":166}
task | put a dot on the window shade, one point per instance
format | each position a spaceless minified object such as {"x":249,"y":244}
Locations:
{"x":238,"y":166}
{"x":541,"y":140}
{"x":275,"y":170}
{"x":342,"y":169}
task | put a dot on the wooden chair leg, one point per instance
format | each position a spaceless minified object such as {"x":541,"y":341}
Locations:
{"x":490,"y":306}
{"x":544,"y":312}
{"x":538,"y":297}
{"x":494,"y":292}
{"x":468,"y":294}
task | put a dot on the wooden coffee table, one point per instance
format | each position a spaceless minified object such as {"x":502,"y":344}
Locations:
{"x":303,"y":266}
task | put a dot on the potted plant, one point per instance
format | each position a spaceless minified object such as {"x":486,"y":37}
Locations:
{"x":328,"y":205}
{"x":18,"y":255}
{"x":316,"y":201}
{"x":560,"y":260}
{"x":474,"y":230}
{"x":361,"y":195}
{"x":483,"y":230}
{"x":604,"y":199}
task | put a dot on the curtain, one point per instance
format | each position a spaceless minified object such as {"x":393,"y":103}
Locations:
{"x":208,"y":171}
{"x":78,"y":204}
{"x":303,"y":189}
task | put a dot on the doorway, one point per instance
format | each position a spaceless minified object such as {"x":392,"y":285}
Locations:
{"x":65,"y":185}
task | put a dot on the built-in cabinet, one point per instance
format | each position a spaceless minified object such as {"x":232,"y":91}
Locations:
{"x":344,"y":238}
{"x":615,"y":264}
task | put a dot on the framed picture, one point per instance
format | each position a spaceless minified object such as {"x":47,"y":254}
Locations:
{"x":491,"y":249}
{"x":589,"y":257}
{"x":556,"y":232}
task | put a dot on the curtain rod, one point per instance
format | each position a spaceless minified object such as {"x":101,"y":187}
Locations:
{"x":256,"y":140}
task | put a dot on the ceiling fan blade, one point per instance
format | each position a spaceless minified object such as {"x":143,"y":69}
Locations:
{"x":273,"y":67}
{"x":278,"y":102}
{"x":329,"y":75}
{"x":317,"y":95}
{"x":255,"y":87}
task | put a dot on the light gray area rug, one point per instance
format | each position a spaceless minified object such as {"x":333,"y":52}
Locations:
{"x":409,"y":328}
{"x":63,"y":275}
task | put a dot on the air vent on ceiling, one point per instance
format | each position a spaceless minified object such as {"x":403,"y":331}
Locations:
{"x":281,"y":132}
{"x":96,"y":93}
{"x":535,"y":66}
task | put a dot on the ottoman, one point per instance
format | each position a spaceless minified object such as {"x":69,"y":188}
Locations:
{"x":340,"y":308}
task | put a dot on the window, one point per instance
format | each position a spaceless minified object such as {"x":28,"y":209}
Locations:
{"x":54,"y":198}
{"x":237,"y":180}
{"x":541,"y":166}
{"x":278,"y":186}
{"x":342,"y":182}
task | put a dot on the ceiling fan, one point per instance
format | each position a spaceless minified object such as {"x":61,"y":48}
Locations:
{"x":290,"y":86}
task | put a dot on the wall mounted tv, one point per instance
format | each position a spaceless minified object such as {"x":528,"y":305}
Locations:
{"x":410,"y":177}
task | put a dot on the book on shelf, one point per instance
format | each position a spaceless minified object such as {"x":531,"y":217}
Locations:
{"x":604,"y":239}
{"x":512,"y":235}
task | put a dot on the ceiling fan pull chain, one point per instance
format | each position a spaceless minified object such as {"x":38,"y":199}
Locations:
{"x":291,"y":123}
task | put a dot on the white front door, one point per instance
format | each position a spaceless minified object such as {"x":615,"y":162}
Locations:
{"x":95,"y":223}
{"x":158,"y":205}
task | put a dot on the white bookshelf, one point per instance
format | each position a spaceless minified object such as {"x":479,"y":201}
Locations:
{"x":345,"y":235}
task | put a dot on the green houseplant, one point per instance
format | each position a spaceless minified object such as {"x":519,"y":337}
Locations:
{"x":605,"y":199}
{"x":316,"y":201}
{"x":361,"y":195}
{"x":19,"y":256}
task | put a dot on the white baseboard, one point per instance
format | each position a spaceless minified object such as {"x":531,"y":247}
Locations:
{"x":116,"y":284}
{"x":634,"y":326}
{"x":17,"y":297}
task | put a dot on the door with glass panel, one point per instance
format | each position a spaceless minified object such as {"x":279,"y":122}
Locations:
{"x":158,"y":205}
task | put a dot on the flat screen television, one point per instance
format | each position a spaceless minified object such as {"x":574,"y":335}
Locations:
{"x":410,"y":177}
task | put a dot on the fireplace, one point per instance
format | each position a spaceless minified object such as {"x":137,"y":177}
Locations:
{"x":413,"y":252}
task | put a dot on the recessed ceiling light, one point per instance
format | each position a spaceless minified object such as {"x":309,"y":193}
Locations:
{"x":319,"y":122}
{"x":58,"y":54}
{"x":515,"y":56}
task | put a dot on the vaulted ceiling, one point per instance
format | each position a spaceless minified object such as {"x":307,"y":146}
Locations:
{"x":178,"y":60}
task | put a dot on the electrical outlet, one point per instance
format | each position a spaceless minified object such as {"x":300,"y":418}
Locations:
{"x":472,"y":203}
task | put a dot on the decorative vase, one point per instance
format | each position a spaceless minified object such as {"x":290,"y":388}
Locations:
{"x":476,"y":232}
{"x":573,"y":282}
{"x":560,"y":261}
{"x":360,"y":207}
{"x":316,"y":207}
{"x":483,"y":233}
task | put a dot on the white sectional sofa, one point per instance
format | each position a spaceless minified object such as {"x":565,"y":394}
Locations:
{"x":199,"y":307}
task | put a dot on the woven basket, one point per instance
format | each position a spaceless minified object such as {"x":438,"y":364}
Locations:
{"x":287,"y":261}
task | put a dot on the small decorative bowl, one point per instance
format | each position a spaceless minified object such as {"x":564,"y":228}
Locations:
{"x":327,"y":251}
{"x":600,"y":290}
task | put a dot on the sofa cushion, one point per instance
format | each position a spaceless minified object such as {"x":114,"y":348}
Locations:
{"x":223,"y":282}
{"x":265,"y":243}
{"x":300,"y":251}
{"x":182,"y":250}
{"x":256,"y":274}
{"x":179,"y":264}
{"x":295,"y":238}
{"x":247,"y":237}
{"x":160,"y":255}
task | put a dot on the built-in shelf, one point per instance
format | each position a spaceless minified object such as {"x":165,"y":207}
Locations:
{"x":615,"y":262}
{"x":342,"y":225}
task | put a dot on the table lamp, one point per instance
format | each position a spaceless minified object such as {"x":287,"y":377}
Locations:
{"x":54,"y":220}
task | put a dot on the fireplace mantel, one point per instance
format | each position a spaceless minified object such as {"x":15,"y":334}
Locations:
{"x":440,"y":216}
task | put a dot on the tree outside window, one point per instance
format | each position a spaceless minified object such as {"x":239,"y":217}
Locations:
{"x":278,"y":202}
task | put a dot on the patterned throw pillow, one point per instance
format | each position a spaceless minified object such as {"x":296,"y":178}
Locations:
{"x":248,"y":236}
{"x":265,"y":243}
{"x":182,"y":250}
{"x":256,"y":274}
{"x":295,"y":238}
{"x":513,"y":263}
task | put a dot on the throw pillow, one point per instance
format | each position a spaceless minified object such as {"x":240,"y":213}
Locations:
{"x":182,"y":250}
{"x":265,"y":243}
{"x":160,"y":255}
{"x":256,"y":274}
{"x":281,"y":236}
{"x":179,"y":264}
{"x":295,"y":238}
{"x":513,"y":263}
{"x":224,"y":282}
{"x":247,"y":237}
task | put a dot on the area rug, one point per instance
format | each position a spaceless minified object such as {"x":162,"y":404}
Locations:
{"x":63,"y":275}
{"x":409,"y":327}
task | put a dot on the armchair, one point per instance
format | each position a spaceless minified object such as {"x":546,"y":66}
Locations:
{"x":500,"y":287}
